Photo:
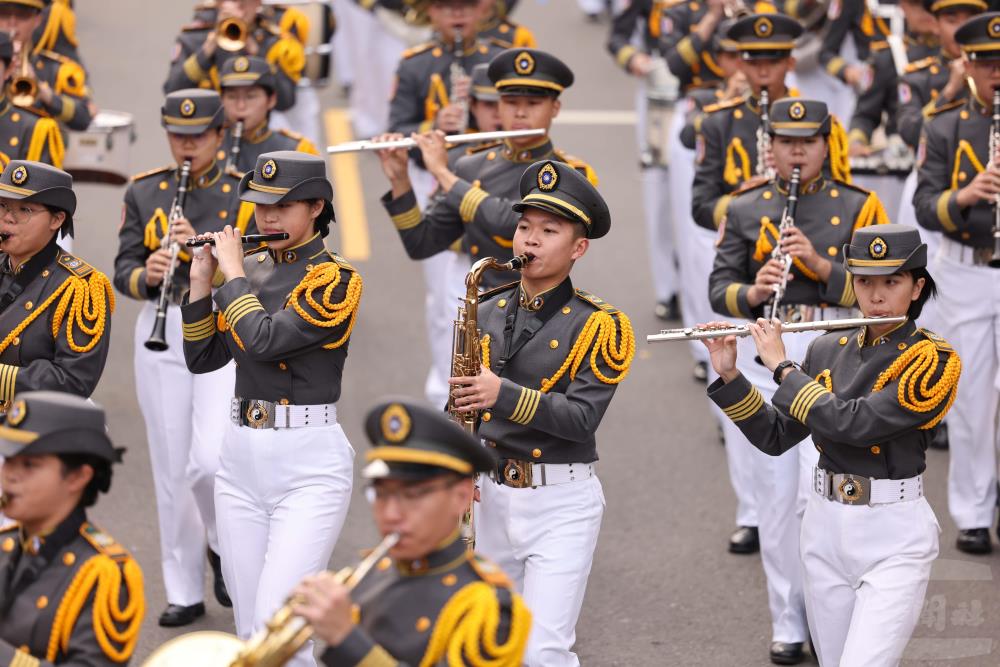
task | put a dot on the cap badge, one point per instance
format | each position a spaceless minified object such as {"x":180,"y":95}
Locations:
{"x":797,"y":111}
{"x":395,"y":423}
{"x":878,"y":248}
{"x":763,"y":27}
{"x":187,"y":107}
{"x":19,"y":175}
{"x":548,"y":177}
{"x":269,"y":170}
{"x":241,"y":64}
{"x":524,"y":64}
{"x":993,"y":28}
{"x":17,"y":412}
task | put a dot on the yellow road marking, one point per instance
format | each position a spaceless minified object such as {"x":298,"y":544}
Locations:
{"x":348,"y":197}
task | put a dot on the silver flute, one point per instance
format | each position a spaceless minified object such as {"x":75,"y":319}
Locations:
{"x":467,"y":138}
{"x":701,"y":333}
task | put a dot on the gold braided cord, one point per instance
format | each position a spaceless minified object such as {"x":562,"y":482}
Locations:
{"x":47,"y":133}
{"x":61,"y":19}
{"x":156,"y":229}
{"x":764,"y":246}
{"x":733,"y":174}
{"x":86,"y":304}
{"x":101,"y":576}
{"x":614,"y":341}
{"x":288,"y":55}
{"x":872,"y":213}
{"x":484,"y":345}
{"x":70,"y":79}
{"x":465,"y":633}
{"x":825,"y":379}
{"x":840,"y":161}
{"x":964,"y":147}
{"x":327,"y":276}
{"x":223,"y":327}
{"x":915,"y":368}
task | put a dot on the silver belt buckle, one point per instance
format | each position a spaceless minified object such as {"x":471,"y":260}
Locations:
{"x":852,"y":489}
{"x":823,"y":482}
{"x":257,"y":414}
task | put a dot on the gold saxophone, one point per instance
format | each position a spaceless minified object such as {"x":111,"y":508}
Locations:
{"x":467,"y":356}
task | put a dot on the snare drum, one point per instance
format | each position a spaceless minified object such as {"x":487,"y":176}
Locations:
{"x":101,"y":153}
{"x":318,"y":46}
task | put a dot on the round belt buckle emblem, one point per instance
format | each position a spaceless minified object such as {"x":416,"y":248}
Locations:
{"x":256,"y":415}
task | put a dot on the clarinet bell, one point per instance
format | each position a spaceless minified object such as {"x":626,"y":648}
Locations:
{"x":157,"y":341}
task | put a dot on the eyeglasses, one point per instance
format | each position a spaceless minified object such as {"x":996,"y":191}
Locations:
{"x":20,"y":212}
{"x":408,"y":496}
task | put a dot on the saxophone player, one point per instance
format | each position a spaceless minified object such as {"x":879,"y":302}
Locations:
{"x":183,"y":452}
{"x":553,"y":356}
{"x":751,"y":255}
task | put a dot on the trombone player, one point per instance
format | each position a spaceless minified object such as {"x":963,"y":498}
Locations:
{"x":421,"y":468}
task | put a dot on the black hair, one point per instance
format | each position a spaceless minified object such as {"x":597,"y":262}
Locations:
{"x":99,"y":483}
{"x":322,"y":222}
{"x":929,"y":290}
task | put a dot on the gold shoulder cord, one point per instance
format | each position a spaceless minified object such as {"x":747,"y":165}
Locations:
{"x":914,"y":369}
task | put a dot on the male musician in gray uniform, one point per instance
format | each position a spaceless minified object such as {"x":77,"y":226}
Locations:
{"x":553,"y":356}
{"x":421,"y":466}
{"x":24,"y":134}
{"x":69,"y":593}
{"x":956,"y":193}
{"x":184,"y":452}
{"x":249,"y":93}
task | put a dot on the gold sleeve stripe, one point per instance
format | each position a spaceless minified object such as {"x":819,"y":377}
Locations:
{"x":240,"y":307}
{"x":942,"y":211}
{"x":22,"y":659}
{"x":807,"y":405}
{"x":8,"y":379}
{"x":470,"y":203}
{"x":834,"y":66}
{"x":193,"y":70}
{"x":719,"y":212}
{"x":407,"y":220}
{"x":746,"y":408}
{"x":378,"y":657}
{"x":133,"y":282}
{"x":68,"y":109}
{"x":200,"y":330}
{"x":686,"y":50}
{"x":928,"y":109}
{"x":624,"y":55}
{"x":804,"y":400}
{"x":527,"y":404}
{"x":733,"y":299}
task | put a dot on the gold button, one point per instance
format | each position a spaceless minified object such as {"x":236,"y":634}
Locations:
{"x":449,"y":580}
{"x":834,"y":193}
{"x":384,"y":563}
{"x":8,"y":544}
{"x":163,"y":185}
{"x":737,"y":114}
{"x":501,"y":303}
{"x":283,"y":401}
{"x":963,"y":114}
{"x":492,"y":155}
{"x":226,"y":187}
{"x":283,"y":366}
{"x":14,"y":141}
{"x":767,"y":195}
{"x":831,"y":251}
{"x":935,"y":69}
{"x":24,"y":648}
{"x":693,"y":6}
{"x":16,"y":341}
{"x":221,"y":155}
{"x":423,"y":624}
{"x":29,"y":306}
{"x":45,"y":273}
{"x":876,"y":449}
{"x":260,"y":259}
{"x":962,"y":176}
{"x":476,"y":183}
{"x":835,"y":220}
{"x":537,"y":453}
{"x":483,"y":50}
{"x":474,"y":250}
{"x":764,"y":220}
{"x":355,"y":613}
{"x":69,"y":558}
{"x":436,"y":52}
{"x":566,"y":310}
{"x":15,"y":117}
{"x":223,"y":214}
{"x":487,"y":416}
{"x":966,"y":235}
{"x":901,"y":347}
{"x":553,"y":343}
{"x":42,"y":602}
{"x":843,"y":340}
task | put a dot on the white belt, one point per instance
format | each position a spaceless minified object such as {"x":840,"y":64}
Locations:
{"x":965,"y":254}
{"x":255,"y":413}
{"x":856,"y":490}
{"x":523,"y":474}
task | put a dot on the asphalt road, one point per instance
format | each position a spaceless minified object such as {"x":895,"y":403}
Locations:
{"x":663,"y":590}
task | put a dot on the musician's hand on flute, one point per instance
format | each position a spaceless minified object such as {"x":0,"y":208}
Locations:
{"x":326,"y":605}
{"x":203,"y":266}
{"x":435,"y":153}
{"x":478,"y":392}
{"x":767,"y":277}
{"x":795,"y":243}
{"x":767,"y":337}
{"x":229,"y":252}
{"x":395,"y":164}
{"x":721,"y":352}
{"x":157,"y":266}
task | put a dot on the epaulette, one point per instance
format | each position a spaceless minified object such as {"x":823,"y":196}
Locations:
{"x":578,"y":164}
{"x":881,"y":45}
{"x":725,"y":104}
{"x":482,"y":147}
{"x":291,"y":134}
{"x":749,"y":186}
{"x":104,"y":543}
{"x":851,"y":186}
{"x":270,"y":27}
{"x":596,"y":302}
{"x":195,"y":26}
{"x":418,"y":49}
{"x":490,"y":293}
{"x":946,"y":107}
{"x":340,"y":261}
{"x":488,"y":571}
{"x":496,"y":41}
{"x":918,"y":65}
{"x":152,"y":172}
{"x":940,"y":343}
{"x":254,"y":251}
{"x":74,"y":265}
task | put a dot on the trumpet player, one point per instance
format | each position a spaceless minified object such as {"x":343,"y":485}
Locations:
{"x":869,"y":399}
{"x":201,"y":50}
{"x":249,"y":95}
{"x":553,"y":356}
{"x":62,"y":91}
{"x":957,"y":191}
{"x":786,"y":235}
{"x":184,"y":451}
{"x":421,"y":468}
{"x":24,"y":134}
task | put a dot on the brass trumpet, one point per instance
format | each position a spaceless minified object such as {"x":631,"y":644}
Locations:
{"x":232,"y":34}
{"x":23,"y":87}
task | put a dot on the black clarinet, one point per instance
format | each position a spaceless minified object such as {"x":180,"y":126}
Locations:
{"x":251,"y":238}
{"x":787,"y":222}
{"x":157,"y":341}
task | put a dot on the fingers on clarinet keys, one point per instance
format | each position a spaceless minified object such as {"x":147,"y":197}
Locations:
{"x":974,"y":541}
{"x":175,"y":615}
{"x":745,"y":540}
{"x":787,"y":653}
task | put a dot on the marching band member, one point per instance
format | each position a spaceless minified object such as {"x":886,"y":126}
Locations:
{"x":497,"y":25}
{"x":877,"y":391}
{"x":71,"y":594}
{"x":956,"y":195}
{"x":184,"y":452}
{"x":57,"y":30}
{"x":552,"y":359}
{"x":55,"y":308}
{"x":743,"y":281}
{"x":24,"y":134}
{"x":286,"y":312}
{"x":249,"y":94}
{"x":431,"y":597}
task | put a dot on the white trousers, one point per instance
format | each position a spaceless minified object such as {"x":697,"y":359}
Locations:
{"x":185,"y":417}
{"x":282,"y":496}
{"x":969,"y":318}
{"x":656,"y":201}
{"x":779,"y":495}
{"x":866,"y":572}
{"x":544,"y":539}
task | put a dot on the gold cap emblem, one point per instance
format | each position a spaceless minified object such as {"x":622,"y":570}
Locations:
{"x":269,"y":170}
{"x":797,"y":111}
{"x":878,"y":248}
{"x":524,"y":64}
{"x":548,"y":177}
{"x":188,"y":107}
{"x":17,"y":413}
{"x":395,"y":423}
{"x":241,"y":64}
{"x":763,"y":27}
{"x":20,"y":175}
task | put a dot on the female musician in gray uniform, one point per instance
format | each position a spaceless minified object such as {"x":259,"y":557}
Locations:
{"x":285,"y":314}
{"x":870,"y":399}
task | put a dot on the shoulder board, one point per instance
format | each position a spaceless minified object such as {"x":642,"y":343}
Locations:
{"x":194,"y":26}
{"x":254,"y":251}
{"x":946,"y":107}
{"x":496,"y":41}
{"x":291,"y":133}
{"x":488,"y":571}
{"x":152,"y":172}
{"x":596,"y":302}
{"x":74,"y":265}
{"x":940,"y":343}
{"x":749,"y":187}
{"x":879,"y":46}
{"x":852,"y":186}
{"x":52,"y":55}
{"x":104,"y":543}
{"x":418,"y":49}
{"x":672,"y":3}
{"x":725,"y":104}
{"x":918,"y":65}
{"x":579,"y":165}
{"x":490,"y":293}
{"x":269,"y":26}
{"x":482,"y":147}
{"x":340,"y":261}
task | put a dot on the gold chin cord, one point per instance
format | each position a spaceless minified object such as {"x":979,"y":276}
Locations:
{"x":467,"y":357}
{"x":273,"y":646}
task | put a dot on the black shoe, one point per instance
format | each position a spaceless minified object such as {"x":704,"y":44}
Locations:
{"x":974,"y":541}
{"x":700,"y":372}
{"x":669,"y":310}
{"x":218,"y":583}
{"x":940,"y":438}
{"x":745,"y":540}
{"x":783,"y":653}
{"x":176,"y":615}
